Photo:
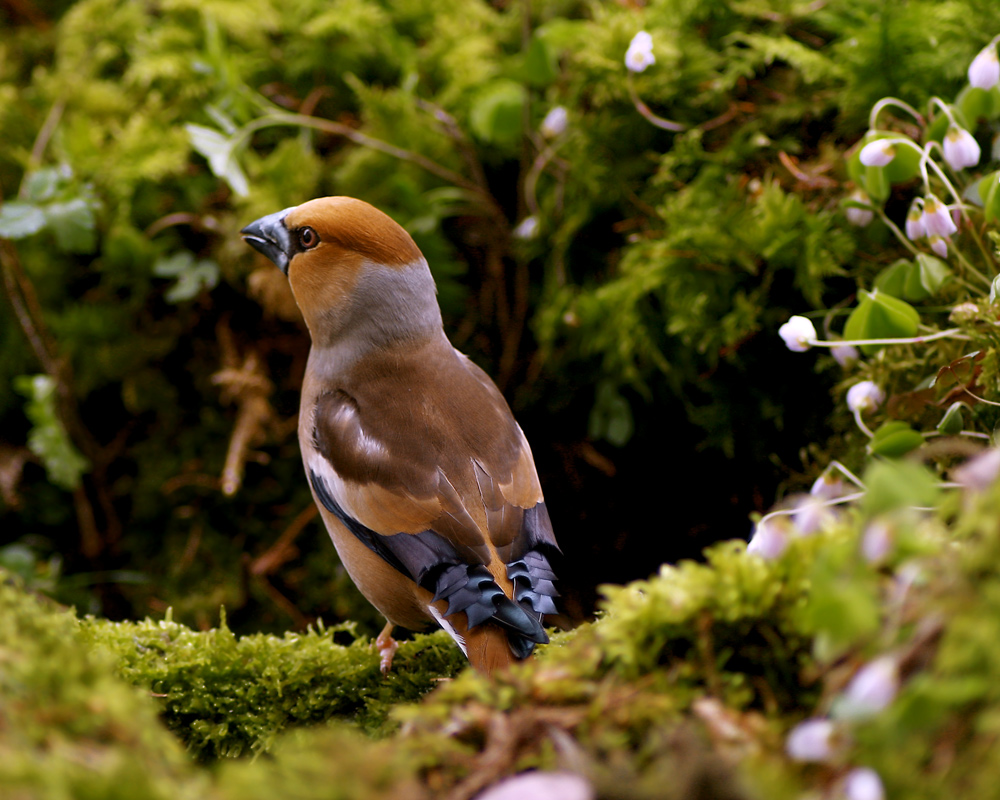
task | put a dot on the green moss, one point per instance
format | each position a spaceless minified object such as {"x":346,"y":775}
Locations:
{"x":226,"y":696}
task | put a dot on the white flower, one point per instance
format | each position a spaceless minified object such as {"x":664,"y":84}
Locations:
{"x":811,"y":513}
{"x":640,"y":52}
{"x":871,"y":690}
{"x":555,"y":122}
{"x":769,"y":540}
{"x":527,"y":228}
{"x":984,"y":71}
{"x":939,"y":244}
{"x":845,"y":354}
{"x":863,"y":783}
{"x":798,"y":334}
{"x":828,"y":486}
{"x":859,"y":216}
{"x":864,"y":396}
{"x":878,"y":153}
{"x":915,"y":228}
{"x":937,"y":220}
{"x":876,"y":542}
{"x":811,"y":740}
{"x":961,"y":150}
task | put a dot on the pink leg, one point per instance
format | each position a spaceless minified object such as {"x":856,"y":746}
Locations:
{"x":387,"y":647}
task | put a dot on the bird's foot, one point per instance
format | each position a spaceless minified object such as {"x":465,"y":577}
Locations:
{"x":387,"y":647}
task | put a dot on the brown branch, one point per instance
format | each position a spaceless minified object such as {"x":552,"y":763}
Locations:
{"x":249,"y":388}
{"x":282,"y":550}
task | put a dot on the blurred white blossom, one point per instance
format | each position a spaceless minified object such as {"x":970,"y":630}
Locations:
{"x":980,"y":472}
{"x":863,"y":783}
{"x":555,"y":122}
{"x":770,"y":539}
{"x":540,"y":785}
{"x":865,"y":396}
{"x":871,"y":690}
{"x":860,"y":217}
{"x":811,"y":740}
{"x":845,"y":354}
{"x":876,"y":542}
{"x":527,"y":228}
{"x":640,"y":52}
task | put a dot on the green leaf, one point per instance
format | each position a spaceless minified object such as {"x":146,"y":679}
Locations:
{"x":953,"y":421}
{"x":975,"y":103}
{"x":611,"y":416}
{"x":18,"y":220}
{"x":73,"y":225}
{"x":990,"y":195}
{"x":540,"y":66}
{"x":496,"y":112}
{"x":892,"y":280}
{"x":894,"y":439}
{"x":48,"y":438}
{"x":43,"y":185}
{"x":192,"y":276}
{"x":892,"y":485}
{"x":881,"y":316}
{"x":931,"y":274}
{"x":220,"y":152}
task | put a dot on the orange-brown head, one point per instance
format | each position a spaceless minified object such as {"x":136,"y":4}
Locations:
{"x":350,"y":266}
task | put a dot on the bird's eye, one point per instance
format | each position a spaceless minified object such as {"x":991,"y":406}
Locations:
{"x":308,"y":238}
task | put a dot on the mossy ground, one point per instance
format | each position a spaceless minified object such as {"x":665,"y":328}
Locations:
{"x":686,"y":686}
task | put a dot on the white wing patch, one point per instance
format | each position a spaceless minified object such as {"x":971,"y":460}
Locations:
{"x":448,"y":627}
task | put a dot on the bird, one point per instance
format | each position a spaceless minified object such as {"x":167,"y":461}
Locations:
{"x":423,"y":478}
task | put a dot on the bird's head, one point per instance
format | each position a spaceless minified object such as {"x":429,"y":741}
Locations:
{"x":346,"y":262}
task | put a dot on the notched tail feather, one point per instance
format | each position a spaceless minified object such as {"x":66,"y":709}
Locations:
{"x":472,"y":589}
{"x":434,"y":563}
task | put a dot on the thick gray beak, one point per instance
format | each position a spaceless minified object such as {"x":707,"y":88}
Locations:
{"x":270,"y":236}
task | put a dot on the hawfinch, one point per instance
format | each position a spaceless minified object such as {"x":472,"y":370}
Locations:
{"x":423,"y":478}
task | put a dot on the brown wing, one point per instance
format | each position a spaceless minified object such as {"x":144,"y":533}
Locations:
{"x":420,"y":458}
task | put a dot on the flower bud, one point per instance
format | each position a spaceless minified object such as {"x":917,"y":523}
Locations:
{"x":798,"y":334}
